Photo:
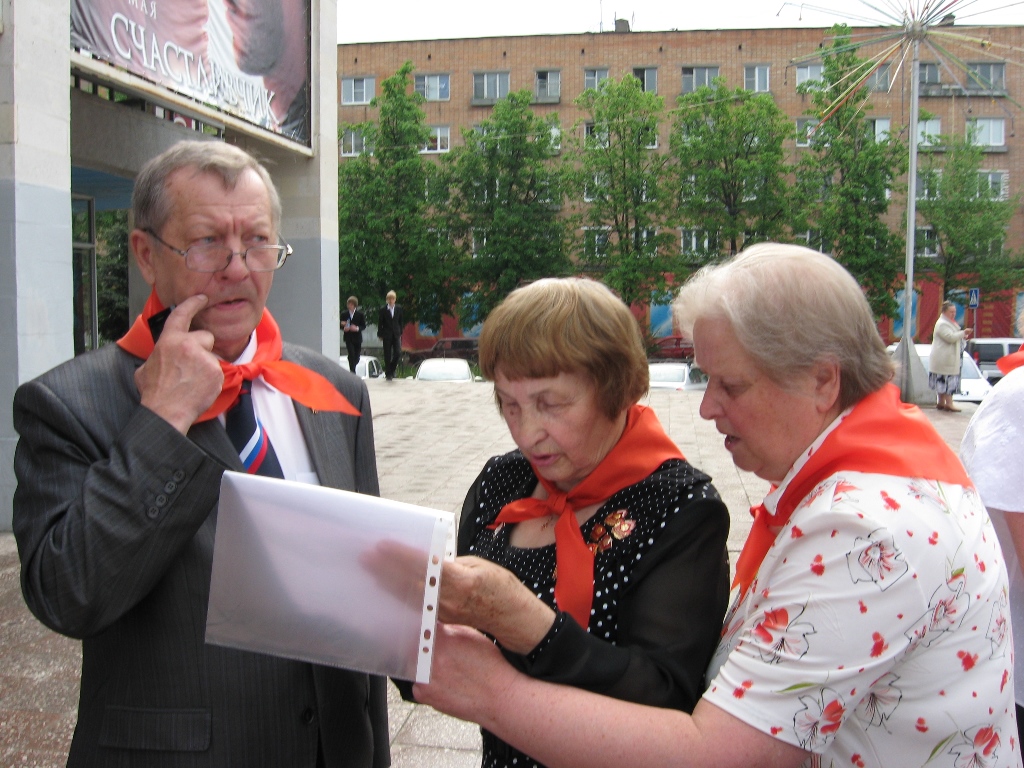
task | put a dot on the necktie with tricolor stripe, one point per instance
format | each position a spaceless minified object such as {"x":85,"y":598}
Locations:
{"x":249,"y":437}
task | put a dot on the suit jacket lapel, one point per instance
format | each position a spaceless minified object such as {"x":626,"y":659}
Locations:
{"x":212,"y":438}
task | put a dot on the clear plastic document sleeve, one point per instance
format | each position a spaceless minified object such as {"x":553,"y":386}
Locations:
{"x":327,"y":576}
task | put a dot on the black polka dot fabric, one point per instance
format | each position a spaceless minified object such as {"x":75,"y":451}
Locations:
{"x":628,"y":526}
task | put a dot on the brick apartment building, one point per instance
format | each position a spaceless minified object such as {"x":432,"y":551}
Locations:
{"x":462,"y":78}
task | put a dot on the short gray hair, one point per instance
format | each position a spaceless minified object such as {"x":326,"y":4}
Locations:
{"x":792,"y":307}
{"x":150,"y":205}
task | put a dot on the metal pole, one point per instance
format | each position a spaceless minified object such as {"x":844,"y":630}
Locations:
{"x":906,"y":352}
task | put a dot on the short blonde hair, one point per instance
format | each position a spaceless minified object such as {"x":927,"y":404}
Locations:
{"x":353,"y":301}
{"x":391,"y":295}
{"x":568,"y":325}
{"x":792,"y":307}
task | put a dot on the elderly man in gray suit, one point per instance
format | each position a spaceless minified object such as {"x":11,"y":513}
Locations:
{"x":119,"y":462}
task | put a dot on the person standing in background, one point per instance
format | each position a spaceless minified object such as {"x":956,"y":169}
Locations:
{"x":352,"y":324}
{"x":946,"y":357}
{"x":390,"y":322}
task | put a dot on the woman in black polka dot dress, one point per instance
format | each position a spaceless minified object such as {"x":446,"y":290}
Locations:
{"x":594,"y":555}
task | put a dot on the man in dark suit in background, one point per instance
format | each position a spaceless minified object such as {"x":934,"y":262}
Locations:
{"x":390,"y":322}
{"x":352,"y":324}
{"x":119,"y":463}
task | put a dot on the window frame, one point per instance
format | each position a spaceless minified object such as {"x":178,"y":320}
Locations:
{"x":708,"y":72}
{"x":752,"y":76}
{"x":546,"y":75}
{"x":988,"y":83}
{"x":595,"y":74}
{"x":366,"y":99}
{"x":648,"y":80}
{"x":502,"y":80}
{"x":346,"y":134}
{"x":803,"y":126}
{"x":443,"y":93}
{"x":811,"y":72}
{"x":974,"y":126}
{"x":439,"y":134}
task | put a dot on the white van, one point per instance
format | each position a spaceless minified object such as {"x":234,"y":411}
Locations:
{"x":985,"y":352}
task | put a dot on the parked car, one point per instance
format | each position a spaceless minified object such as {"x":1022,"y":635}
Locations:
{"x":673,"y":348}
{"x":986,"y":351}
{"x":459,"y":347}
{"x":368,"y":367}
{"x":444,"y":369}
{"x":973,"y":385}
{"x":683,"y":376}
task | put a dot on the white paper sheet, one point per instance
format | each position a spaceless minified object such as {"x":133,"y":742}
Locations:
{"x":327,"y":576}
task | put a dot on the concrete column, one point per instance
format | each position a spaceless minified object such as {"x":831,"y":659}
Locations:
{"x":36,"y":312}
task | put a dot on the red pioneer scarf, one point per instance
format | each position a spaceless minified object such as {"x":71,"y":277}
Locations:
{"x":1010,"y":361}
{"x":881,"y":435}
{"x":301,"y":384}
{"x":643,"y":448}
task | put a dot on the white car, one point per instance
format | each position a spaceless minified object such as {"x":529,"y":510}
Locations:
{"x":367,"y":368}
{"x":682,"y":376}
{"x":973,"y":385}
{"x":444,"y":369}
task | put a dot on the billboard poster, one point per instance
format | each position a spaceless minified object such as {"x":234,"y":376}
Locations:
{"x":247,"y":58}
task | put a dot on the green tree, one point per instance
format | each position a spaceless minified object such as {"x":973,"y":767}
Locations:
{"x":731,"y":168}
{"x":847,"y":174}
{"x":965,"y":209}
{"x":112,"y":274}
{"x":625,"y":182}
{"x":505,"y":195}
{"x":389,"y":236}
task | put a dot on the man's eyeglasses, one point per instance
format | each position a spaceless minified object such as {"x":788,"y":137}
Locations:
{"x":215,"y":258}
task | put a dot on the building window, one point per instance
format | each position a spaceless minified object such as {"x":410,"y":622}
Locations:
{"x":805,"y":127}
{"x":926,"y":242}
{"x":352,"y":143}
{"x":986,"y":76}
{"x":593,"y":77}
{"x":987,"y":131}
{"x":479,"y":245}
{"x":928,"y":73}
{"x":697,"y":242}
{"x":928,"y":185}
{"x":556,"y":138}
{"x":808,"y":73}
{"x":648,"y":77}
{"x":595,"y":242}
{"x":433,"y":87}
{"x":879,"y":79}
{"x":695,"y":77}
{"x":755,"y":78}
{"x":880,"y":127}
{"x":594,"y":136}
{"x":438,"y":141}
{"x":928,"y":131}
{"x":549,"y":85}
{"x":490,"y":86}
{"x":595,"y":188}
{"x":812,"y":239}
{"x":357,"y":90}
{"x":993,"y":185}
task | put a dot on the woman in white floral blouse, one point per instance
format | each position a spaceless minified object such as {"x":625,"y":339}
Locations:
{"x":869,"y":625}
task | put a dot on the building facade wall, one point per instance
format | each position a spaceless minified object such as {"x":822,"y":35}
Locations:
{"x":732,"y":51}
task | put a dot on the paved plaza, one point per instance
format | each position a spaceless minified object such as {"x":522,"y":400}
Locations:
{"x":432,"y":440}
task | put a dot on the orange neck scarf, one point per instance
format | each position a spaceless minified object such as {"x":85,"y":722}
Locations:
{"x":1010,"y":361}
{"x":301,"y":384}
{"x":643,"y":448}
{"x":881,"y":435}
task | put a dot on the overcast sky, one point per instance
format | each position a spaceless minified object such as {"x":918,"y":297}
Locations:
{"x":380,"y":20}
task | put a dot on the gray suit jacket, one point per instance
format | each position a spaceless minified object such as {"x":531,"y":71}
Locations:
{"x":114,"y":514}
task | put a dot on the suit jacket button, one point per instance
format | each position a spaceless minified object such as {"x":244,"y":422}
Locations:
{"x":160,"y":500}
{"x":178,"y":475}
{"x":308,"y":716}
{"x":171,"y":487}
{"x":152,"y":513}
